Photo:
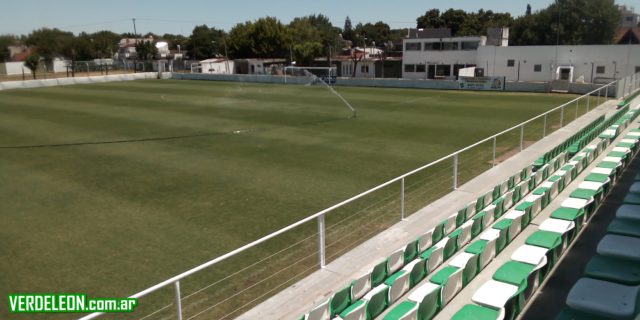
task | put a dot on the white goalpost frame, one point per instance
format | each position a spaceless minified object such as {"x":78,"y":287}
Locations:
{"x":331,"y":71}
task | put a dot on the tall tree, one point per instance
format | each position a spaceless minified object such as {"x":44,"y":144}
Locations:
{"x":48,"y":42}
{"x":528,"y":12}
{"x":265,"y":38}
{"x":569,"y":22}
{"x":431,"y":19}
{"x":145,"y":50}
{"x":378,"y":32}
{"x":5,"y":42}
{"x":205,"y":42}
{"x":105,"y":43}
{"x":31,"y":62}
{"x":347,"y":32}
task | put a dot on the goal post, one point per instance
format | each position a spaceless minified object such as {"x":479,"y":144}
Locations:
{"x":324,"y":76}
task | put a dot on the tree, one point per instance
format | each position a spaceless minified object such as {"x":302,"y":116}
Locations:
{"x":31,"y":62}
{"x":105,"y":43}
{"x":5,"y":42}
{"x":305,"y":52}
{"x":145,"y":50}
{"x":205,"y":42}
{"x":379,"y":32}
{"x":175,"y":40}
{"x":48,"y":42}
{"x":431,"y":19}
{"x":265,"y":38}
{"x":528,"y":12}
{"x":347,"y":32}
{"x":569,"y":22}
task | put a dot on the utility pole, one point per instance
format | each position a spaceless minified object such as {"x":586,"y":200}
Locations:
{"x":135,"y":33}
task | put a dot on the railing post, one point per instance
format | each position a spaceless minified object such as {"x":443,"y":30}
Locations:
{"x":402,"y":199}
{"x":521,"y":136}
{"x":606,"y":94}
{"x":321,"y":238}
{"x":561,"y":116}
{"x":577,"y":107}
{"x":599,"y":93}
{"x":588,"y":102}
{"x":455,"y":171}
{"x":494,"y":151}
{"x":544,"y":127}
{"x":178,"y":300}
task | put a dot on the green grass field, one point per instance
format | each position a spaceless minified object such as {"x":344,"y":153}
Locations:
{"x":110,"y":188}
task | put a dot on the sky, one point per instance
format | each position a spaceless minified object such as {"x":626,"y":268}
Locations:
{"x":179,"y":17}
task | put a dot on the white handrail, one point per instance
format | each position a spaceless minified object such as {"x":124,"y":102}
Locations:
{"x":227,"y":255}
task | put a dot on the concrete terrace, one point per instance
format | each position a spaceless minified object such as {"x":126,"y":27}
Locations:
{"x":317,"y":287}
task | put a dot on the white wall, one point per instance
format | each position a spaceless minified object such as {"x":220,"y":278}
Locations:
{"x":217,"y":67}
{"x":369,"y":69}
{"x":618,"y":61}
{"x":621,"y":59}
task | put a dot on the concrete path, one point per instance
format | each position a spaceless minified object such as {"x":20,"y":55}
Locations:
{"x":317,"y":287}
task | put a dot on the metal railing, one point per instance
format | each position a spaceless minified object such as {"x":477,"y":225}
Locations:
{"x":399,"y":195}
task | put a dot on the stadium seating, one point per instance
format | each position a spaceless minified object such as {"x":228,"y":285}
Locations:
{"x":495,"y":218}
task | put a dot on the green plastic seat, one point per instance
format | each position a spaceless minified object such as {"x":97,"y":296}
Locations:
{"x":379,"y":273}
{"x":587,"y":194}
{"x":405,"y":310}
{"x":450,"y":279}
{"x":522,"y":275}
{"x":438,"y":232}
{"x":478,"y":224}
{"x":432,"y":258}
{"x":410,"y":251}
{"x":549,"y":240}
{"x":475,"y":312}
{"x":625,"y":227}
{"x":340,"y":301}
{"x":504,"y":227}
{"x":569,"y":214}
{"x":613,"y":269}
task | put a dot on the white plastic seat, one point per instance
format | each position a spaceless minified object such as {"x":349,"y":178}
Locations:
{"x":552,"y":186}
{"x":606,"y":171}
{"x":516,"y":225}
{"x":320,"y":312}
{"x":590,"y":185}
{"x":536,"y":199}
{"x":494,"y":294}
{"x":465,"y":234}
{"x":562,"y":227}
{"x":450,"y":223}
{"x":621,"y":149}
{"x":398,"y":285}
{"x":574,"y":203}
{"x":451,"y":287}
{"x":424,"y":241}
{"x":360,"y":286}
{"x":396,"y":261}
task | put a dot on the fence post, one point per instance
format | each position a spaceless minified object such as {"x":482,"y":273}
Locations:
{"x":321,"y":237}
{"x":598,"y":103}
{"x":606,"y":94}
{"x":402,"y":199}
{"x":588,"y":102}
{"x":544,"y":127}
{"x":455,"y":171}
{"x":561,"y":116}
{"x":494,"y":151}
{"x":577,"y":107}
{"x":521,"y":136}
{"x":178,"y":301}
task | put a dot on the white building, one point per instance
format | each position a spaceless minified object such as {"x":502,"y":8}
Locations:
{"x":441,"y":58}
{"x":216,"y":66}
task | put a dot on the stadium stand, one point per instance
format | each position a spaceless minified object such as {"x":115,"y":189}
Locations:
{"x":495,"y":218}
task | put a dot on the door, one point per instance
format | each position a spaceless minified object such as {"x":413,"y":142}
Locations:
{"x":565,"y":74}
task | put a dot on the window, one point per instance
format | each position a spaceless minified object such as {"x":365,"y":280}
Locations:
{"x":449,"y":46}
{"x":421,"y":68}
{"x":511,"y":63}
{"x":600,"y":70}
{"x":637,"y":69}
{"x":437,"y":46}
{"x":443,"y":70}
{"x":413,"y":46}
{"x":469,"y":45}
{"x":364,"y":69}
{"x":409,"y":68}
{"x":429,"y":46}
{"x":537,"y":68}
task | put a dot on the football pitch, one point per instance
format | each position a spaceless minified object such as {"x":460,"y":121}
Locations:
{"x":110,"y":188}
